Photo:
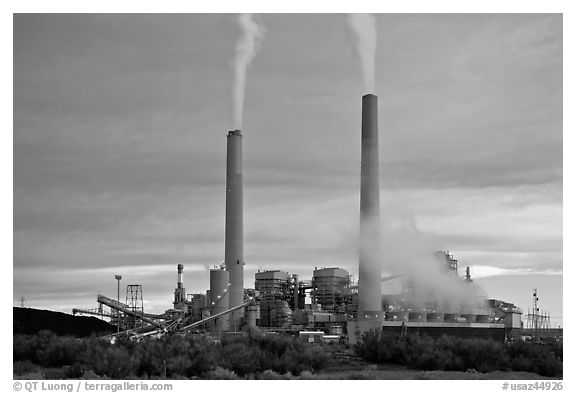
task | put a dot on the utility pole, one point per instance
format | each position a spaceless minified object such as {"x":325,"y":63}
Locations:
{"x":118,"y":278}
{"x":536,"y":312}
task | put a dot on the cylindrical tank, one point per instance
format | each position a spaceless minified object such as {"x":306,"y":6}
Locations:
{"x":397,"y":316}
{"x":219,"y":297}
{"x":369,"y":278}
{"x":417,"y":316}
{"x":483,"y":318}
{"x":469,"y":317}
{"x":435,"y":317}
{"x":451,"y":317}
{"x":251,"y":313}
{"x":281,"y":314}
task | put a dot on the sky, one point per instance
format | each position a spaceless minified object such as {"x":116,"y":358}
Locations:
{"x":119,"y":149}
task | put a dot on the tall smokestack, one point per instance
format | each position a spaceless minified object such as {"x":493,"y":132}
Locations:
{"x":369,"y":280}
{"x":234,"y":241}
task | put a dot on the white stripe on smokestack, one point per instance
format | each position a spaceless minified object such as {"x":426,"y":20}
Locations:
{"x":234,"y":241}
{"x":369,"y":285}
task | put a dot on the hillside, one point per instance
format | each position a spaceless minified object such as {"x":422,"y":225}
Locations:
{"x":31,"y":321}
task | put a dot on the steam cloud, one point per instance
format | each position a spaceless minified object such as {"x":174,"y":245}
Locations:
{"x":363,"y":28}
{"x":408,"y":252}
{"x":248,"y":44}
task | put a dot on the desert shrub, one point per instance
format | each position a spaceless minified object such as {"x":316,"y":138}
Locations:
{"x":74,"y":371}
{"x":275,"y":344}
{"x":270,"y":374}
{"x":54,"y":373}
{"x":149,"y":364}
{"x":113,"y":362}
{"x":358,"y":375}
{"x":539,"y":359}
{"x":313,"y":357}
{"x":177,"y":365}
{"x":368,"y":346}
{"x":60,"y":351}
{"x":203,"y":356}
{"x":240,"y":358}
{"x":307,"y":375}
{"x":547,"y":365}
{"x":557,"y":350}
{"x":220,"y":373}
{"x":24,"y":348}
{"x":21,"y":367}
{"x":482,"y":355}
{"x":170,"y":356}
{"x":449,"y":353}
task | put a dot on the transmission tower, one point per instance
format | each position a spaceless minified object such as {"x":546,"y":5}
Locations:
{"x":537,"y":320}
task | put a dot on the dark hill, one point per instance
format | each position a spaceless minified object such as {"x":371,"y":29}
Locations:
{"x":31,"y":321}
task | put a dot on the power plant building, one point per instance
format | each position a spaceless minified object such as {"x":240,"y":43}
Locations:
{"x":331,"y":289}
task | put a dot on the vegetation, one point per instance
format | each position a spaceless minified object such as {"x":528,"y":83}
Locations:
{"x":175,"y":356}
{"x":453,"y":354}
{"x":272,"y":356}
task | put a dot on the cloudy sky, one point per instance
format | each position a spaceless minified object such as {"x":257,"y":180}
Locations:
{"x":119,"y":149}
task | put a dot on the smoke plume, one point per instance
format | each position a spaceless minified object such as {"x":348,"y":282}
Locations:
{"x":363,"y":29}
{"x":412,"y":254}
{"x":248,"y":44}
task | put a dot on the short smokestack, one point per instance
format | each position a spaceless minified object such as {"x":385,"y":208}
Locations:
{"x":180,"y":291}
{"x":369,"y":280}
{"x":180,"y":275}
{"x":234,"y":241}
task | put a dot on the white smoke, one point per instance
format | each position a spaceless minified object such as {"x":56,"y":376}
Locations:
{"x":363,"y":28}
{"x":408,"y":252}
{"x":248,"y":44}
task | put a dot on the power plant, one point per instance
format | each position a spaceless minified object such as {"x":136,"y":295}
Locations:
{"x":329,"y":304}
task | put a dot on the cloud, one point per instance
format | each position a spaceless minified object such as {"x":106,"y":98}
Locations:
{"x":489,"y":271}
{"x":119,"y":144}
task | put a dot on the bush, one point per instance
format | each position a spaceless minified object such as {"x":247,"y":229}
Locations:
{"x":60,"y":351}
{"x":75,"y":371}
{"x":171,"y":356}
{"x":449,"y":353}
{"x":270,"y":374}
{"x":221,"y":373}
{"x":21,"y":367}
{"x":540,"y":359}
